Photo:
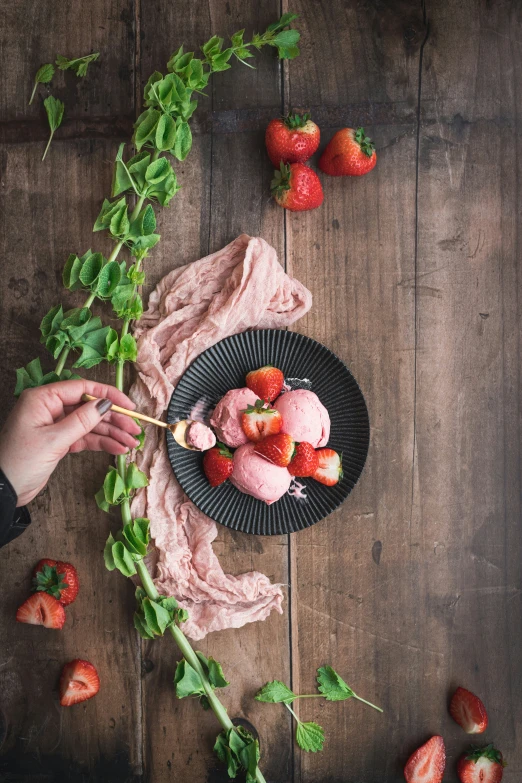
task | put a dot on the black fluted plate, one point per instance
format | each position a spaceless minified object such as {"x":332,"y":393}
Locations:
{"x":224,"y":367}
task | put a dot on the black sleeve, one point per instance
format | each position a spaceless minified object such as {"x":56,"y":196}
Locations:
{"x":13,"y":521}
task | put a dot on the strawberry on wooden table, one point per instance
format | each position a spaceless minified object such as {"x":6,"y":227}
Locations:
{"x":305,"y":460}
{"x":292,"y":139}
{"x":427,"y":763}
{"x":277,"y":449}
{"x":468,"y":711}
{"x":350,"y":153}
{"x":217,"y":464}
{"x":266,"y":382}
{"x":329,"y":469}
{"x":41,"y":609}
{"x":481,"y":765}
{"x":79,"y":681}
{"x":297,"y":188}
{"x":259,"y":421}
{"x":56,"y":578}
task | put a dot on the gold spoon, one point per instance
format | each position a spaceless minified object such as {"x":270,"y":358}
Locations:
{"x":178,"y":429}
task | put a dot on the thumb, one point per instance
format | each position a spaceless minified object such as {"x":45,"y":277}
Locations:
{"x":80,"y":422}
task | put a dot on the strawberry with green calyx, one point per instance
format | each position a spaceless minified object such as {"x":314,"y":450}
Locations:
{"x":79,"y":681}
{"x":297,"y":188}
{"x":259,"y":421}
{"x":266,"y":382}
{"x":57,"y":579}
{"x":277,"y":449}
{"x":481,"y":765}
{"x":41,"y":609}
{"x":305,"y":460}
{"x":329,"y":469}
{"x":218,"y":464}
{"x":350,"y":153}
{"x":292,"y":139}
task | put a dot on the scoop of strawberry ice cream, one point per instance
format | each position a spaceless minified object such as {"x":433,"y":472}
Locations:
{"x":258,"y":477}
{"x":199,"y":436}
{"x":226,"y":418}
{"x":304,"y":417}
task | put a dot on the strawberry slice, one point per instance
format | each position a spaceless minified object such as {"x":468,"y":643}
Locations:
{"x":79,"y":681}
{"x":258,"y":421}
{"x":266,"y":382}
{"x":468,"y":711}
{"x":481,"y":765}
{"x":41,"y":609}
{"x":217,"y":464}
{"x":330,"y":469}
{"x":305,"y":460}
{"x":58,"y":579}
{"x":277,"y":449}
{"x":427,"y":764}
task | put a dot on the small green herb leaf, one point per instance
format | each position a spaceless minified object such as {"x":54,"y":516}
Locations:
{"x":183,"y":142}
{"x":79,"y":65}
{"x":110,"y":565}
{"x":44,"y":74}
{"x":275,"y":692}
{"x":187,"y":681}
{"x":309,"y":736}
{"x":54,"y":109}
{"x":135,"y":478}
{"x":332,"y":685}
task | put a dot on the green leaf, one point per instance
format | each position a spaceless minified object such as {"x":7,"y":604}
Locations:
{"x":196,"y":73}
{"x":145,"y":127}
{"x":135,"y":478}
{"x":219,"y":62}
{"x":332,"y":686}
{"x":110,"y":565}
{"x":135,"y":275}
{"x":212,"y":47}
{"x":144,"y":243}
{"x":79,"y":65}
{"x":164,"y":190}
{"x":123,"y":559}
{"x":91,"y":269}
{"x":121,"y":296}
{"x":119,"y":225}
{"x":286,"y":38}
{"x":54,"y":109}
{"x":51,"y":321}
{"x":183,"y":141}
{"x":120,"y":179}
{"x":237,"y":38}
{"x":128,"y":350}
{"x":174,"y":59}
{"x":93,"y":347}
{"x":168,"y":602}
{"x":71,"y":273}
{"x":150,"y":98}
{"x":275,"y":692}
{"x":165,"y":132}
{"x":113,"y":487}
{"x":44,"y":74}
{"x":215,"y":674}
{"x":100,"y":500}
{"x":281,"y":23}
{"x":108,"y":210}
{"x":141,"y":626}
{"x":309,"y":736}
{"x":145,"y":223}
{"x":187,"y":681}
{"x":288,"y":52}
{"x":108,"y":280}
{"x":112,"y":343}
{"x":157,"y":171}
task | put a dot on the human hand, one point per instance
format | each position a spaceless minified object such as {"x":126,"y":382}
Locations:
{"x":51,"y":421}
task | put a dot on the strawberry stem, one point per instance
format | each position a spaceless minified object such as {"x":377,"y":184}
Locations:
{"x":364,"y":141}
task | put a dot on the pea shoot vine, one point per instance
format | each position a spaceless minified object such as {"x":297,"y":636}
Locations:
{"x":161,"y":132}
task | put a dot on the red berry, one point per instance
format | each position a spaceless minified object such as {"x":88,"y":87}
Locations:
{"x":79,"y":681}
{"x":58,"y":579}
{"x":41,"y":609}
{"x":292,"y":139}
{"x":329,"y":469}
{"x":349,"y":153}
{"x":277,"y":449}
{"x":217,"y":464}
{"x":481,"y":765}
{"x":305,"y":460}
{"x":297,"y":188}
{"x":266,"y":382}
{"x":468,"y":711}
{"x":258,"y":421}
{"x":427,"y":764}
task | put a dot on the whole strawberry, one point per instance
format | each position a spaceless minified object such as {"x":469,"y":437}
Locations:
{"x":266,"y":382}
{"x":277,"y":449}
{"x":297,"y":188}
{"x":305,"y":460}
{"x":56,"y":578}
{"x":259,"y":420}
{"x":349,"y":153}
{"x":217,"y":464}
{"x":292,"y":139}
{"x":481,"y":765}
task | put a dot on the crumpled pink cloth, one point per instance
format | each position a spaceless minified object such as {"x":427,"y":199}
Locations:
{"x":240,"y":287}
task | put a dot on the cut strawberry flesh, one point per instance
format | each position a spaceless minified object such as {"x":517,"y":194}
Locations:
{"x":41,"y":609}
{"x":79,"y":681}
{"x":468,"y":711}
{"x":426,"y":764}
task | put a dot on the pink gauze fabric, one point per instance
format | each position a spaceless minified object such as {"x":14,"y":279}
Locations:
{"x":240,"y":287}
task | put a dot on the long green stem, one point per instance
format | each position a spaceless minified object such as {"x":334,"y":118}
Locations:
{"x":33,"y":93}
{"x":48,"y":145}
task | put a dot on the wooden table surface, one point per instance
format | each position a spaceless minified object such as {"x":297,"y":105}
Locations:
{"x":413,"y":586}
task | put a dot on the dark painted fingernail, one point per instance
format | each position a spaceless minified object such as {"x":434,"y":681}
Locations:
{"x":102,"y":406}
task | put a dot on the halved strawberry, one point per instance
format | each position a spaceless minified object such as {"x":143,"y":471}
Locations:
{"x":266,"y":382}
{"x":277,"y":449}
{"x":305,"y":460}
{"x":468,"y":711}
{"x":79,"y":681}
{"x":330,"y":469}
{"x":258,"y":421}
{"x":58,"y":579}
{"x":427,"y":764}
{"x":41,"y":609}
{"x":217,"y":464}
{"x":481,"y":765}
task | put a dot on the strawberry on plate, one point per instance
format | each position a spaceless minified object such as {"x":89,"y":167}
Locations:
{"x":305,"y":460}
{"x":217,"y":464}
{"x":297,"y":188}
{"x":329,"y":470}
{"x":468,"y":711}
{"x":259,"y":420}
{"x":266,"y":382}
{"x":292,"y":139}
{"x":277,"y":449}
{"x":56,"y":578}
{"x":481,"y":765}
{"x":426,"y":764}
{"x":349,"y":153}
{"x":41,"y":609}
{"x":79,"y":681}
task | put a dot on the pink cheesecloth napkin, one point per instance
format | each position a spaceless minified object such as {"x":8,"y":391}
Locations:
{"x":240,"y":287}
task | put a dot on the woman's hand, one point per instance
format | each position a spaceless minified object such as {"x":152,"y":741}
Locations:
{"x":51,"y":421}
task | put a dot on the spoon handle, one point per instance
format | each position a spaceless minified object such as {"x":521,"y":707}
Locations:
{"x":132,"y":414}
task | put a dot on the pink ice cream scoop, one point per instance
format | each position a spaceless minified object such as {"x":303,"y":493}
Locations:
{"x":304,"y":417}
{"x":226,"y":418}
{"x":258,"y":477}
{"x":199,"y":436}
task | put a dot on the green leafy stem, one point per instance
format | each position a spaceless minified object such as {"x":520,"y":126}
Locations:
{"x":161,"y":132}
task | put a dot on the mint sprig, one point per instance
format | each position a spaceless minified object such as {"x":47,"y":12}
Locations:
{"x":43,"y":75}
{"x":78,"y":64}
{"x":54,"y":109}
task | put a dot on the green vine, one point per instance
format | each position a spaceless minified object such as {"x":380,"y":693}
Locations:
{"x":161,"y":132}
